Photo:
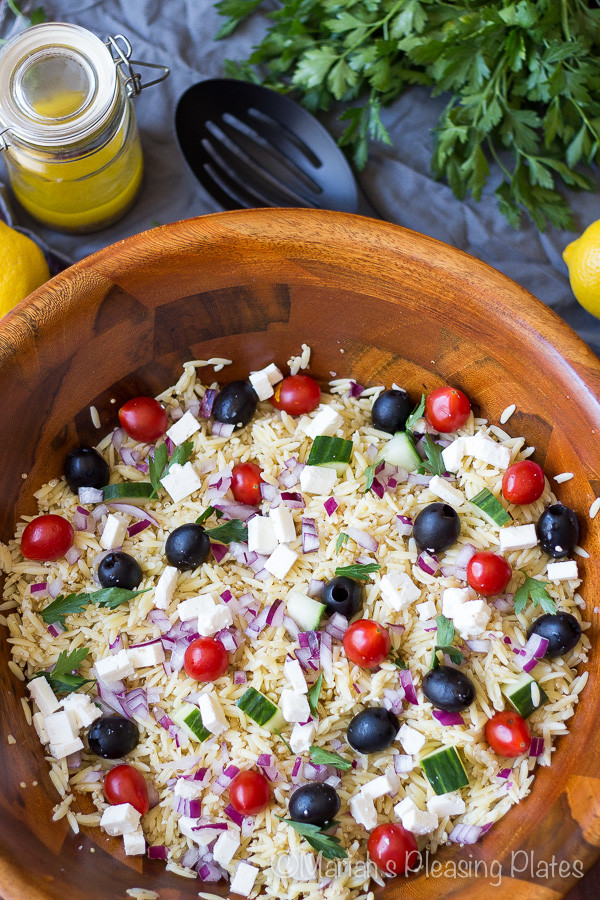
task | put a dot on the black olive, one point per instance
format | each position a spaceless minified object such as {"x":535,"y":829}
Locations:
{"x":235,"y":404}
{"x":448,"y":689}
{"x":84,"y":467}
{"x":436,"y":527}
{"x":391,"y":410}
{"x":187,"y":546}
{"x":342,"y":595}
{"x":119,"y":569}
{"x":557,"y":530}
{"x":561,"y":629}
{"x":315,"y":804}
{"x":113,"y":737}
{"x":373,"y":729}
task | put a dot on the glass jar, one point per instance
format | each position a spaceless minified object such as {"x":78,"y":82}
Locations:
{"x":70,"y":140}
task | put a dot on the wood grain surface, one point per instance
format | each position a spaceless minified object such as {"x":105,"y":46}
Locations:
{"x":375,"y":302}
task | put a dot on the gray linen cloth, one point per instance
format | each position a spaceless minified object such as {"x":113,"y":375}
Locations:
{"x":179,"y":33}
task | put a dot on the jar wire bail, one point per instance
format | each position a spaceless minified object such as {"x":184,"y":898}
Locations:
{"x":122,"y":58}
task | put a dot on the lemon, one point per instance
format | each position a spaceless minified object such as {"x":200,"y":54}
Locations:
{"x":583,"y":262}
{"x":22,"y":267}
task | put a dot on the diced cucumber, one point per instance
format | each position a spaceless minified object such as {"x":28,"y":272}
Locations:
{"x":304,"y":610}
{"x":188,"y":717}
{"x":520,"y":695}
{"x":490,"y":508}
{"x":331,"y":452}
{"x":400,"y":451}
{"x":127,"y":490}
{"x":444,"y":770}
{"x":261,"y":710}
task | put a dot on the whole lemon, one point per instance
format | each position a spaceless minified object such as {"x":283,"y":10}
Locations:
{"x":583,"y":261}
{"x":23,"y":267}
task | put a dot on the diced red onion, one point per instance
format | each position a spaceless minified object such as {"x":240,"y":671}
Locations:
{"x":220,"y":482}
{"x":392,"y":699}
{"x":99,"y":511}
{"x":504,"y":773}
{"x":356,"y":688}
{"x":291,"y":627}
{"x":159,"y":618}
{"x":209,"y":872}
{"x":293,"y":500}
{"x":90,"y":495}
{"x":276,"y":614}
{"x":362,"y":538}
{"x":177,"y":655}
{"x":137,"y":527}
{"x":337,"y":626}
{"x":55,"y":587}
{"x":403,"y":764}
{"x":240,"y":677}
{"x":268,"y":491}
{"x":234,"y":815}
{"x":464,"y":556}
{"x":80,"y":520}
{"x":193,"y":406}
{"x":111,"y":698}
{"x":537,"y":747}
{"x":302,"y":654}
{"x":219,"y":551}
{"x":504,"y":603}
{"x":449,"y":571}
{"x":406,"y":680}
{"x":190,"y":857}
{"x":207,"y":403}
{"x":153,"y":694}
{"x":136,"y":703}
{"x":356,"y":389}
{"x":55,"y":629}
{"x":448,"y":718}
{"x":326,"y":656}
{"x":129,"y":509}
{"x":428,"y":562}
{"x":233,"y":510}
{"x":117,"y":438}
{"x":231,"y":640}
{"x":39,"y":590}
{"x":176,"y":413}
{"x":395,"y":627}
{"x":221,"y":429}
{"x":74,"y":760}
{"x":224,"y":780}
{"x":116,"y":645}
{"x":478,"y":646}
{"x":415,"y":478}
{"x":310,"y":536}
{"x":315,"y":586}
{"x":404,"y":525}
{"x":158,"y":851}
{"x":330,"y":506}
{"x":377,"y":488}
{"x":189,"y":808}
{"x":533,"y":651}
{"x":466,"y":834}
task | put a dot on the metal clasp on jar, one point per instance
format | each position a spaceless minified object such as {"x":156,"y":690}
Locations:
{"x":122,"y":58}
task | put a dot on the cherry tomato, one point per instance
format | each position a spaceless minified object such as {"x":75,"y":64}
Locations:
{"x":124,"y":784}
{"x":47,"y":538}
{"x":488,"y":573}
{"x":144,"y":419}
{"x":447,"y":409}
{"x":205,"y":659}
{"x":297,"y":394}
{"x":367,"y":643}
{"x":523,"y":482}
{"x":250,"y":793}
{"x":508,"y":733}
{"x":393,"y":849}
{"x":245,"y":483}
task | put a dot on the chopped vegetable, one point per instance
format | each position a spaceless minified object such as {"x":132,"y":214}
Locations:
{"x":327,"y":844}
{"x":444,"y":770}
{"x":445,"y":637}
{"x":433,"y":462}
{"x":261,"y":710}
{"x":331,"y":452}
{"x":127,"y":489}
{"x":490,"y":508}
{"x":357,"y":571}
{"x":109,"y":598}
{"x":525,"y":695}
{"x":314,"y":693}
{"x":61,"y":677}
{"x":327,"y":758}
{"x":234,"y":530}
{"x":537,"y":592}
{"x":160,"y":464}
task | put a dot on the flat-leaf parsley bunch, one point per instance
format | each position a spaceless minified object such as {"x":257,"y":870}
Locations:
{"x":523,"y":79}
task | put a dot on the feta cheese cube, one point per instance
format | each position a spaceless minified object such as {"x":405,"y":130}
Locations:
{"x":518,"y":537}
{"x":446,"y":492}
{"x":294,"y":674}
{"x":326,"y":422}
{"x":38,"y":724}
{"x":261,"y":535}
{"x":187,"y":790}
{"x":61,"y":751}
{"x":226,"y":847}
{"x":115,"y":530}
{"x":213,"y":717}
{"x":213,"y":617}
{"x":399,"y":590}
{"x":184,"y":428}
{"x":165,"y":588}
{"x":120,"y":819}
{"x":488,"y":451}
{"x":83,"y":708}
{"x":317,"y":479}
{"x":261,"y":384}
{"x":302,"y":737}
{"x":181,"y":481}
{"x":146,"y":655}
{"x":446,"y":805}
{"x":383,"y":784}
{"x":243,"y":880}
{"x":411,"y":739}
{"x":452,"y":455}
{"x":114,"y":668}
{"x":562,"y":571}
{"x":134,"y":843}
{"x":190,"y":608}
{"x":273,"y":373}
{"x":281,"y":561}
{"x":283,"y":524}
{"x":362,"y":810}
{"x":427,"y":610}
{"x":406,"y":805}
{"x":294,"y":706}
{"x":471,"y":618}
{"x":43,"y":695}
{"x":189,"y":828}
{"x":419,"y":822}
{"x":453,"y":598}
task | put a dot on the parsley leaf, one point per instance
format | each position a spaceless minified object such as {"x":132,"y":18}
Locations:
{"x":416,"y":414}
{"x":433,"y":462}
{"x":444,"y":638}
{"x":61,"y":678}
{"x":360,"y":573}
{"x":284,"y":740}
{"x":537,"y":592}
{"x":327,"y":758}
{"x":234,"y":530}
{"x":313,"y":695}
{"x":369,"y":476}
{"x":109,"y":598}
{"x":208,"y":513}
{"x":397,"y":661}
{"x":343,"y":538}
{"x":327,"y":844}
{"x":160,"y":464}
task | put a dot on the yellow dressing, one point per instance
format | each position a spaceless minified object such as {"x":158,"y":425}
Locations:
{"x":57,"y":106}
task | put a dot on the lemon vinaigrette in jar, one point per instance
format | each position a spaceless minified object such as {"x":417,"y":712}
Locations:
{"x":70,"y":140}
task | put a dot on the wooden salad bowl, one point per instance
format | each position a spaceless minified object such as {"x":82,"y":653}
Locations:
{"x":375,"y":302}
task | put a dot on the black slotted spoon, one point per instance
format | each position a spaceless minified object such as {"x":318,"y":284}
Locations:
{"x":249,"y":146}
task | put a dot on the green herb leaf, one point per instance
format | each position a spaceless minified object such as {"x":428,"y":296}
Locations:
{"x":397,"y":661}
{"x":61,"y":678}
{"x":160,"y":465}
{"x":433,"y":463}
{"x":360,"y":573}
{"x":537,"y":592}
{"x":445,"y":636}
{"x":327,"y":844}
{"x":369,"y":475}
{"x":314,"y":694}
{"x":343,"y":538}
{"x":109,"y":598}
{"x":284,"y":740}
{"x":208,"y":513}
{"x":327,"y":758}
{"x":416,"y":414}
{"x":234,"y":530}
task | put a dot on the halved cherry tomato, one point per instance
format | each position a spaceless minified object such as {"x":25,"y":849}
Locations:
{"x":296,"y":395}
{"x":367,"y":643}
{"x":488,"y":573}
{"x":124,"y":784}
{"x":447,"y":409}
{"x":144,"y":419}
{"x":250,"y":793}
{"x":523,"y":482}
{"x":245,"y":483}
{"x":393,"y":849}
{"x":205,"y":659}
{"x":508,"y":733}
{"x":47,"y":538}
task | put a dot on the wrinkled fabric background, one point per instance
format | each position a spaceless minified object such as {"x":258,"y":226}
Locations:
{"x":179,"y":33}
